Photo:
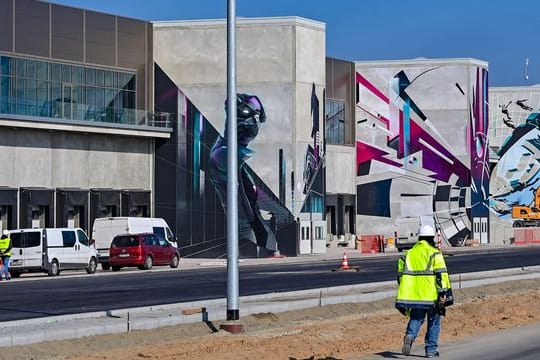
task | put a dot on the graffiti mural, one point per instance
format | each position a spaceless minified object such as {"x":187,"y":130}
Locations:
{"x":251,"y":115}
{"x":515,"y":138}
{"x":191,"y":175}
{"x":423,"y":151}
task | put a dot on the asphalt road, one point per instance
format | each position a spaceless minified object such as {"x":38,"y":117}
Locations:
{"x":67,"y":295}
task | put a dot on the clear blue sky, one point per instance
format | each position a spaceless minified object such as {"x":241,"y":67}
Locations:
{"x":504,"y":33}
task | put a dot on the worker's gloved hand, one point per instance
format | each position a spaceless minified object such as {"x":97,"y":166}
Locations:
{"x":439,"y":305}
{"x":440,"y":309}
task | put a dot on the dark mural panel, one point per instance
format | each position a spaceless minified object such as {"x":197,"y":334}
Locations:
{"x":186,"y":195}
{"x":374,"y":198}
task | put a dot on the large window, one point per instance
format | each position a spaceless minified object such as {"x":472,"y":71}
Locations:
{"x":335,"y":122}
{"x":54,"y":90}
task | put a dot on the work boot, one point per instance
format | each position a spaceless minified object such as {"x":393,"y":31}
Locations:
{"x":407,"y":343}
{"x":432,"y":355}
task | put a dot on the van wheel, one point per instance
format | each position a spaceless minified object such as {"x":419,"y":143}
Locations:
{"x":175,"y":261}
{"x":148,"y":263}
{"x":92,"y":266}
{"x":14,"y":274}
{"x":105,"y":266}
{"x":55,"y":269}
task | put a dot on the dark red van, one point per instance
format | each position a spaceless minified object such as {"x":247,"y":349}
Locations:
{"x":143,"y":251}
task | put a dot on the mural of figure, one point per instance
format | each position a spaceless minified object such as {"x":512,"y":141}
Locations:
{"x":521,"y":104}
{"x":509,"y":123}
{"x":250,"y":116}
{"x":504,"y":109}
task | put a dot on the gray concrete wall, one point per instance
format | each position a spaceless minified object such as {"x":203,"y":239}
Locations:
{"x":340,"y":169}
{"x":35,"y":158}
{"x":443,"y":90}
{"x":278,"y":59}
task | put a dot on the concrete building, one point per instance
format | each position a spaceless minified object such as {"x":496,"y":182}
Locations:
{"x":77,"y":126}
{"x":421,"y":148}
{"x":282,"y":61}
{"x":101,"y":115}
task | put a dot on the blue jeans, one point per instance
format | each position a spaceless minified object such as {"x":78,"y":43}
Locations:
{"x":5,"y":269}
{"x":433,"y":327}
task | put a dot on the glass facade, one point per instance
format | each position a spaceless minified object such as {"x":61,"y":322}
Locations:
{"x":335,"y":122}
{"x":64,"y":91}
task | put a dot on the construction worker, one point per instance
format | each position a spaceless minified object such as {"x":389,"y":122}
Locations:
{"x":5,"y":253}
{"x":424,"y":291}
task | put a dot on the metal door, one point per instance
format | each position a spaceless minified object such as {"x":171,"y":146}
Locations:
{"x":484,"y":230}
{"x":476,"y":228}
{"x":305,"y":237}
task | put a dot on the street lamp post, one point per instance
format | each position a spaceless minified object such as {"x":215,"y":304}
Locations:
{"x":233,"y":312}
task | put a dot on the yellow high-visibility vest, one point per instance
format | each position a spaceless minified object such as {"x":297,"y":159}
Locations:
{"x":422,"y":276}
{"x":4,"y":245}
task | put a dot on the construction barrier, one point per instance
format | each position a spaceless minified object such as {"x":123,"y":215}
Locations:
{"x":527,"y":235}
{"x":370,"y":243}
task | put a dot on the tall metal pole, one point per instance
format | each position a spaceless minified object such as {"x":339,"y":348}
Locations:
{"x":233,"y":312}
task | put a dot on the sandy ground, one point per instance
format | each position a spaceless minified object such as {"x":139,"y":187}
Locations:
{"x":344,"y":331}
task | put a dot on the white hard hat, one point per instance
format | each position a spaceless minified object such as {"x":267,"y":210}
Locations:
{"x":5,"y":232}
{"x":426,"y":230}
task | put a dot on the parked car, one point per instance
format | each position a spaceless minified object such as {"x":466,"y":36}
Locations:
{"x":51,"y":250}
{"x":105,"y":229}
{"x":142,"y":250}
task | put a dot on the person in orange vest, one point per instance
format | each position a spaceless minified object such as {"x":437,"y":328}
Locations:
{"x":424,"y":291}
{"x":5,"y":253}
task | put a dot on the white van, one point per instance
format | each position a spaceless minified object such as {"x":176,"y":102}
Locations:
{"x":105,"y":229}
{"x":50,"y":251}
{"x":407,"y":230}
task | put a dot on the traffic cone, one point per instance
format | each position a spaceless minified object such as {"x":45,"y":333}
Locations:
{"x":439,"y":242}
{"x":345,"y":262}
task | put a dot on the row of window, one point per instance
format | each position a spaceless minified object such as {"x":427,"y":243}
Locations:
{"x":54,"y":90}
{"x":74,"y":74}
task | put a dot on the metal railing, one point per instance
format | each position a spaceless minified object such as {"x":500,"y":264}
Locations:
{"x":67,"y":109}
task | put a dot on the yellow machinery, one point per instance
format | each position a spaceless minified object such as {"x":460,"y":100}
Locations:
{"x":525,"y":216}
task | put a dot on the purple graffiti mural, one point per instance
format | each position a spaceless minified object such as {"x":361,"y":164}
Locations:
{"x":251,"y":115}
{"x":427,"y":175}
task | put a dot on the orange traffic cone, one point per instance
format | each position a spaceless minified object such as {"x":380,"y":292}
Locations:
{"x":439,"y":241}
{"x":345,"y":262}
